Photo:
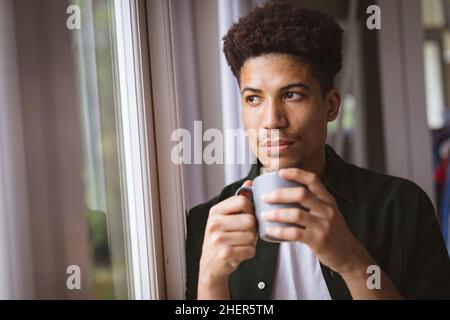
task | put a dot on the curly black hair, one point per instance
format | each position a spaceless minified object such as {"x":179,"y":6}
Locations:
{"x":310,"y":36}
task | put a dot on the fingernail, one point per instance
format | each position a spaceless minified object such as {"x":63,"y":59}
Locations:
{"x":265,"y":197}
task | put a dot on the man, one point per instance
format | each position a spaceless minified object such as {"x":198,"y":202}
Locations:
{"x":285,"y":59}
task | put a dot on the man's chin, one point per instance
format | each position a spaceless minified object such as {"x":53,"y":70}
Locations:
{"x":275,"y":164}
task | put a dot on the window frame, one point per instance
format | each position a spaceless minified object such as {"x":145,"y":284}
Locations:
{"x":159,"y":15}
{"x":138,"y":152}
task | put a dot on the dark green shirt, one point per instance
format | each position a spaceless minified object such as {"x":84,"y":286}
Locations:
{"x":392,"y":217}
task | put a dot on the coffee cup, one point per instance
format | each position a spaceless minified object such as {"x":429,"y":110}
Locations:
{"x":265,"y":184}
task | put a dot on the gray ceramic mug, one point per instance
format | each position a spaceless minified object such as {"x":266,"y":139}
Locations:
{"x":264,"y":184}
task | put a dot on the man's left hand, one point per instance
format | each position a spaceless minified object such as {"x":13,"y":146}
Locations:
{"x":325,"y":230}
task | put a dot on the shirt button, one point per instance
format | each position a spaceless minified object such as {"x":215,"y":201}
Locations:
{"x":261,"y":285}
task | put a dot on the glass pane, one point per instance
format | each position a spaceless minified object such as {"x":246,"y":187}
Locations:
{"x":436,"y":48}
{"x":433,"y":13}
{"x":104,"y":195}
{"x":434,"y":87}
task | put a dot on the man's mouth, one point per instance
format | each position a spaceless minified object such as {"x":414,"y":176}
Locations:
{"x":275,"y":147}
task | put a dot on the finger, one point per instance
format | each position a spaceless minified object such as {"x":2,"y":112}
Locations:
{"x":309,"y":179}
{"x":292,"y":215}
{"x":247,"y":183}
{"x":289,"y":234}
{"x":237,"y":222}
{"x":236,"y":254}
{"x":234,"y":204}
{"x":234,"y":238}
{"x":299,"y":195}
{"x":248,"y":194}
{"x":241,"y":253}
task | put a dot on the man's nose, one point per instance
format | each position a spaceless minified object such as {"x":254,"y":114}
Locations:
{"x":274,"y":115}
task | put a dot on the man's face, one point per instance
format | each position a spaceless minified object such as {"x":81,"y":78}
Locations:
{"x":285,"y":111}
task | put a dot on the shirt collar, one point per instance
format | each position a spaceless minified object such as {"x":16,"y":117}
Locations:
{"x":336,"y":174}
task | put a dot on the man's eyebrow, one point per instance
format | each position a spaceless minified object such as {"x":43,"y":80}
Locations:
{"x":296,"y":85}
{"x":285,"y":88}
{"x":250,"y":89}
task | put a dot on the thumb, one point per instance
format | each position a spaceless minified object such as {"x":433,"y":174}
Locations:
{"x":247,"y":183}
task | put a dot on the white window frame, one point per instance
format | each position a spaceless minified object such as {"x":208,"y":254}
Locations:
{"x":138,"y":160}
{"x":166,"y":119}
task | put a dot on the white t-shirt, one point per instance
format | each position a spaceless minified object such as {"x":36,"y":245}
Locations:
{"x":298,"y":275}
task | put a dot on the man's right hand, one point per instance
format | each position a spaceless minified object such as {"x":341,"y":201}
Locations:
{"x":230,"y":238}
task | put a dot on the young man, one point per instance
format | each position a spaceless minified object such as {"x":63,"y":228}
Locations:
{"x":285,"y":59}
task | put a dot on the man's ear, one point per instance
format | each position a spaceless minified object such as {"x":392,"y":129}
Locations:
{"x":333,"y":101}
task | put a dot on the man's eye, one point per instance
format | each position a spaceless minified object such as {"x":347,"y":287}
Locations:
{"x":253,"y":100}
{"x":293,"y":96}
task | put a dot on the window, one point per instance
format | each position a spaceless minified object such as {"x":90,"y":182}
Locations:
{"x":118,"y":198}
{"x":104,"y":192}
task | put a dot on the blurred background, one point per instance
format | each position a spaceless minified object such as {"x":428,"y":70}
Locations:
{"x":77,"y":174}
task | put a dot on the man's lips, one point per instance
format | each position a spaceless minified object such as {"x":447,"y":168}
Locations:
{"x":272,"y":148}
{"x":277,"y":143}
